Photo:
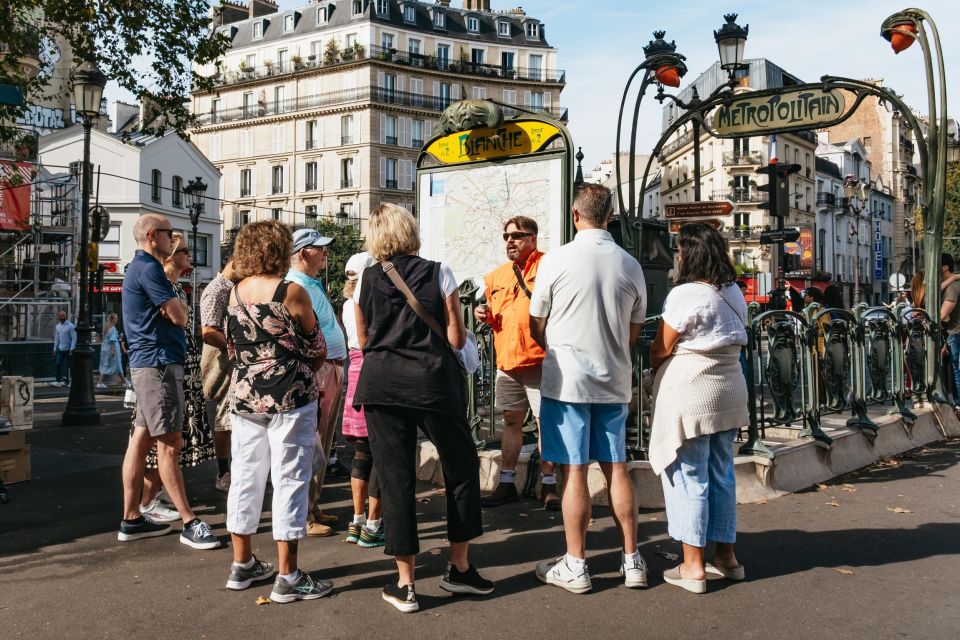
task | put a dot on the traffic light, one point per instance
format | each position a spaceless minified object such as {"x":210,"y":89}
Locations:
{"x":778,"y":188}
{"x":92,"y":258}
{"x":791,"y":262}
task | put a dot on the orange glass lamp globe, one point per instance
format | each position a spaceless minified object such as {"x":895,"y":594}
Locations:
{"x":668,"y":75}
{"x":900,"y":41}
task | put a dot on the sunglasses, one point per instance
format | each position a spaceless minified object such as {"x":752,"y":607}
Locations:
{"x":169,"y":232}
{"x":517,"y":235}
{"x":182,"y":251}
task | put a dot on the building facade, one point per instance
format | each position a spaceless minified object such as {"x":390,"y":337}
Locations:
{"x":323,"y":110}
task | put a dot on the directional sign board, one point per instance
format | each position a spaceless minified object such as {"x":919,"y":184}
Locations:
{"x":712,"y":222}
{"x":702,"y":209}
{"x":778,"y":236}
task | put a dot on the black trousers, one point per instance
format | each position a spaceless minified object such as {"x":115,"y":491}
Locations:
{"x":393,"y":439}
{"x":362,"y":467}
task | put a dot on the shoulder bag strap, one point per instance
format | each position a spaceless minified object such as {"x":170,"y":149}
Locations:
{"x":523,"y":285}
{"x":418,"y":309}
{"x":727,"y":302}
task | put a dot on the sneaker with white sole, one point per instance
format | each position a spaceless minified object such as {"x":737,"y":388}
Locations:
{"x":634,"y":572}
{"x":404,"y":598}
{"x":469,"y":581}
{"x":197,"y":534}
{"x":560,"y":574}
{"x":241,"y":578}
{"x":144,"y":528}
{"x":306,"y":588}
{"x":159,"y":512}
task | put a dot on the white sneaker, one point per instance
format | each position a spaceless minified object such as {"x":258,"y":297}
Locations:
{"x":634,"y":573}
{"x":56,"y":384}
{"x":101,"y":386}
{"x":558,"y":573}
{"x":159,"y":512}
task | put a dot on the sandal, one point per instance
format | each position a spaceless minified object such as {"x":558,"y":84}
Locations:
{"x":737,"y":573}
{"x":672,"y":576}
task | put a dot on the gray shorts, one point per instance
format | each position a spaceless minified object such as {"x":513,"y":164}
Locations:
{"x":518,"y":390}
{"x":159,"y":398}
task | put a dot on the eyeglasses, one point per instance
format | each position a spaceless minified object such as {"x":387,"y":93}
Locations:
{"x":169,"y":232}
{"x":517,"y":235}
{"x":182,"y":251}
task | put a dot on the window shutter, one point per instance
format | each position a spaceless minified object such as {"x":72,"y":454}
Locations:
{"x":455,"y":91}
{"x":546,"y":100}
{"x":383,"y":128}
{"x":336,"y":173}
{"x":526,"y":99}
{"x":355,"y":174}
{"x":407,"y":132}
{"x":302,"y":180}
{"x":383,"y":172}
{"x":399,"y":86}
{"x":321,"y":122}
{"x":436,"y":89}
{"x":427,"y":130}
{"x":403,"y":180}
{"x":381,"y":79}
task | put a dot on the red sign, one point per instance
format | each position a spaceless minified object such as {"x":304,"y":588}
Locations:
{"x":701,"y":209}
{"x":15,"y":179}
{"x":751,"y":294}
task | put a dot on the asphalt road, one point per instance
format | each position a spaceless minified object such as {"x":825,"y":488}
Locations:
{"x":837,"y":562}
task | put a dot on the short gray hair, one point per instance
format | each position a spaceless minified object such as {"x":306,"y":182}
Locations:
{"x":145,"y":223}
{"x":594,"y":202}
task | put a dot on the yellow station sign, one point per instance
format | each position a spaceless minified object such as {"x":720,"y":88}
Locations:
{"x":509,"y":139}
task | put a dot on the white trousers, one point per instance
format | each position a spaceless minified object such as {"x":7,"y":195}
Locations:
{"x":279,"y":445}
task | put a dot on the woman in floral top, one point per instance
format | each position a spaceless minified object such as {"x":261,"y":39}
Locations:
{"x":276,"y":344}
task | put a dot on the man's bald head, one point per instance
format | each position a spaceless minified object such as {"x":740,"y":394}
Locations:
{"x":145,"y":223}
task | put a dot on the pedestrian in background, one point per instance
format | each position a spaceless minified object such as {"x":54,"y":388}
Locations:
{"x":276,"y":345}
{"x":364,"y":483}
{"x":519,"y":358}
{"x":155,"y":318}
{"x":216,"y":368}
{"x":699,"y":404}
{"x":309,"y":258}
{"x":111,"y":362}
{"x":64,"y":342}
{"x":588,"y":308}
{"x":406,"y":325}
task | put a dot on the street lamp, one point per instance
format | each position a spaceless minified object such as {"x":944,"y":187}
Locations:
{"x":731,"y":39}
{"x":341,"y":217}
{"x":196,"y":201}
{"x":88,"y":84}
{"x":857,"y":194}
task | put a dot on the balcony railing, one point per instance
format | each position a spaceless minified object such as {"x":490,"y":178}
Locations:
{"x":416,"y":142}
{"x":420,"y":60}
{"x":740,"y":195}
{"x":391,"y":184}
{"x":377,"y":95}
{"x":740,"y":159}
{"x":347,"y":139}
{"x":277,"y":188}
{"x":676,"y":144}
{"x":826,"y":199}
{"x":346,"y":183}
{"x":310,"y":185}
{"x":312,"y":144}
{"x":391,"y":140}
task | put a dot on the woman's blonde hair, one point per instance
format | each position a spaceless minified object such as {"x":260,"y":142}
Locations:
{"x":392,"y":231}
{"x":917,"y":289}
{"x":106,"y":322}
{"x":262,"y":248}
{"x":349,"y":287}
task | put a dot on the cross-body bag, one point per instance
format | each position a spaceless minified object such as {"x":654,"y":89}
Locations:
{"x":523,"y":285}
{"x":727,"y":302}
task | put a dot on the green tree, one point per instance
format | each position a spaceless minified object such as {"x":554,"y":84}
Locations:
{"x":170,"y":35}
{"x":348,"y":242}
{"x":951,"y":211}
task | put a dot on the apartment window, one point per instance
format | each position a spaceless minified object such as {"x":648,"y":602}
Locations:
{"x":477,"y":56}
{"x":246,"y":143}
{"x":389,"y":173}
{"x":346,"y":173}
{"x":409,"y":13}
{"x":444,"y":95}
{"x":390,"y":130}
{"x":383,"y":8}
{"x":279,"y":102}
{"x":310,"y":176}
{"x":506,"y":60}
{"x":416,"y":133}
{"x":356,"y":8}
{"x":321,"y":15}
{"x":311,"y":138}
{"x":215,"y":147}
{"x":741,"y":220}
{"x":257,"y":30}
{"x":248,"y":103}
{"x":479,"y":93}
{"x":536,"y":100}
{"x":199,"y":254}
{"x":244,"y":217}
{"x":246,"y":182}
{"x":109,"y":247}
{"x":277,"y":178}
{"x":388,"y":87}
{"x":351,"y":40}
{"x":310,"y":216}
{"x":156,"y":186}
{"x":510,"y":96}
{"x":413,"y":48}
{"x":346,"y":130}
{"x":176,"y":186}
{"x":288,"y":23}
{"x":386,"y":41}
{"x":215,"y":108}
{"x":439,"y":19}
{"x":536,"y":67}
{"x":277,"y":214}
{"x":443,"y":56}
{"x":533,"y":31}
{"x":503,"y":28}
{"x":282,"y":59}
{"x":473,"y":24}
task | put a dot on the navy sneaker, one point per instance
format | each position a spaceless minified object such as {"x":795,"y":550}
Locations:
{"x":403,"y":598}
{"x":197,"y":534}
{"x":241,"y":578}
{"x":469,"y":581}
{"x":142,"y":528}
{"x":306,"y":588}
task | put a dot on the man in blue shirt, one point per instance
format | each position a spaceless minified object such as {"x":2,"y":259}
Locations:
{"x":154,"y":318}
{"x":310,"y":249}
{"x":64,"y":342}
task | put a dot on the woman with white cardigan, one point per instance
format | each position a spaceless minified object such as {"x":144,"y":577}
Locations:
{"x":700,"y":401}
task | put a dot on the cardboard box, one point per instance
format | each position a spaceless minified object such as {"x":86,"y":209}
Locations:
{"x":13,"y":440}
{"x":16,"y":401}
{"x":15,"y":465}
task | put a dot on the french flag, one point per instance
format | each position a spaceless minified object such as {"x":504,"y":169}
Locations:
{"x":773,"y":148}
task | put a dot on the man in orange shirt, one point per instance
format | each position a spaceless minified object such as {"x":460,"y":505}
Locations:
{"x":517,"y":386}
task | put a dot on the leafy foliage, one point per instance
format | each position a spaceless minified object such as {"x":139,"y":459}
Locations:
{"x":169,"y":35}
{"x":951,"y":211}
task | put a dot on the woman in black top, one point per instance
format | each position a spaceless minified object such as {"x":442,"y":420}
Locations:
{"x":410,"y":378}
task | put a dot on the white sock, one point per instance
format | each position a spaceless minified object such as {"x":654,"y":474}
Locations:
{"x":373,"y":525}
{"x":332,"y":459}
{"x":508,"y":477}
{"x":245,"y":565}
{"x":575,"y":563}
{"x":291,"y":578}
{"x":359,"y":518}
{"x":630,"y":558}
{"x":549,"y":478}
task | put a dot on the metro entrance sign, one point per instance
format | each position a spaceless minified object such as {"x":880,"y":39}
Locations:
{"x":703,"y":209}
{"x":779,"y":236}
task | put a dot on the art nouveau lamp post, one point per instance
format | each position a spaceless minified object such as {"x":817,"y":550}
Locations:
{"x":196,"y":201}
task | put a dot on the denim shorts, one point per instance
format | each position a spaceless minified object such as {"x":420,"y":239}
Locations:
{"x":578,"y":432}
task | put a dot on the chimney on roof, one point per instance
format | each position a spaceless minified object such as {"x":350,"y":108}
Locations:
{"x":476,"y":5}
{"x":262,"y":8}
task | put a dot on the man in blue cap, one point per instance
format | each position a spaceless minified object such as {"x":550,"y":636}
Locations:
{"x":310,"y":250}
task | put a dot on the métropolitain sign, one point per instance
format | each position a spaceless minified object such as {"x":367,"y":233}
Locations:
{"x":774,"y":110}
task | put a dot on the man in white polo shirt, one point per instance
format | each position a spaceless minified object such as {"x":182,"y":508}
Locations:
{"x":587,"y":309}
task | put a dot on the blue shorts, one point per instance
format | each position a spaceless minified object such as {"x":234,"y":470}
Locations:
{"x":578,"y":432}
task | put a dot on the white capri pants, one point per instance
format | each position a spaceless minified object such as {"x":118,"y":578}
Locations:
{"x":281,"y":445}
